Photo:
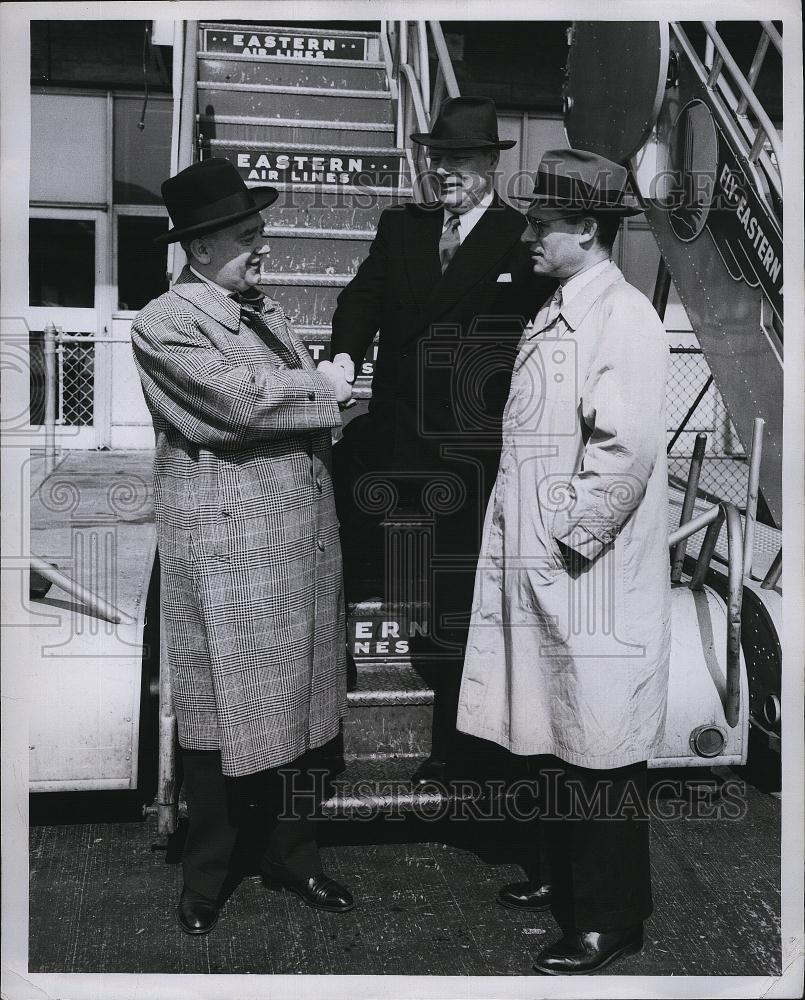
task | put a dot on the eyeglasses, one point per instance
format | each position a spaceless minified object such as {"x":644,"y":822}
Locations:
{"x":542,"y":226}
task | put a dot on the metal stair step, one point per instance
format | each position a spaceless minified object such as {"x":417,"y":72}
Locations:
{"x":306,"y":305}
{"x":295,"y":232}
{"x":382,"y":684}
{"x":348,"y":150}
{"x":234,"y":57}
{"x":318,"y":103}
{"x":345,"y":207}
{"x":336,"y":74}
{"x":377,"y":784}
{"x":277,"y":278}
{"x":390,"y":713}
{"x":241,"y":131}
{"x":302,"y":256}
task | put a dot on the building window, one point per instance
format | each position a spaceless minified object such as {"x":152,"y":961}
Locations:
{"x":141,"y":155}
{"x":141,"y":267}
{"x":61,"y":263}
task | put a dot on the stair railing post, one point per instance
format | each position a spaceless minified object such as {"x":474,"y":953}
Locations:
{"x":752,"y":490}
{"x":49,"y":352}
{"x":754,"y":70}
{"x":423,"y":69}
{"x":167,"y":797}
{"x":662,"y":286}
{"x":688,"y":504}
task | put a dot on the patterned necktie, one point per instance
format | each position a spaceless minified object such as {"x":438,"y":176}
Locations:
{"x":251,"y":313}
{"x":449,"y":242}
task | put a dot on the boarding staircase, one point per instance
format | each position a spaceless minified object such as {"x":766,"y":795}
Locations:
{"x":697,"y":117}
{"x":324,"y":116}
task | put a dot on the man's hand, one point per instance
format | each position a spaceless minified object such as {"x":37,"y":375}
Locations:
{"x":344,"y":361}
{"x":335,"y":376}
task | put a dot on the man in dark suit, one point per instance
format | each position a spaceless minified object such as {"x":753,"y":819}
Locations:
{"x":449,"y":287}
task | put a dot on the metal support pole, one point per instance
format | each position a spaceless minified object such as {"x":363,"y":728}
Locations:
{"x":688,"y":415}
{"x":754,"y":71}
{"x":752,"y":489}
{"x":662,"y":287}
{"x":167,"y":797}
{"x":97,"y":605}
{"x":688,"y":504}
{"x":772,"y":578}
{"x":694,"y":525}
{"x":734,"y":602}
{"x":50,"y":397}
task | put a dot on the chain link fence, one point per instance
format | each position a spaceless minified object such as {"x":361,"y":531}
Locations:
{"x":73,"y":387}
{"x":694,"y":406}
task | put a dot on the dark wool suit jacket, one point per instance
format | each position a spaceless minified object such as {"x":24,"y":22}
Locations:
{"x":446,"y":350}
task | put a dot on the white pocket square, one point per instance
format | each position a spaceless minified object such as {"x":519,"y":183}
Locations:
{"x":505,"y":277}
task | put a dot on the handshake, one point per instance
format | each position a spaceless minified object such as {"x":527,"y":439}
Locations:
{"x":340,"y":373}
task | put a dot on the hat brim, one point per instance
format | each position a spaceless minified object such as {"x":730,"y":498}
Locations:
{"x":556,"y":210}
{"x":425,"y":139}
{"x":263,"y":197}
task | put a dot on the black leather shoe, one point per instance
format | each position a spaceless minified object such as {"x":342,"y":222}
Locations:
{"x":323,"y":893}
{"x":196,"y":913}
{"x":531,"y":896}
{"x":580,"y":952}
{"x":431,"y":769}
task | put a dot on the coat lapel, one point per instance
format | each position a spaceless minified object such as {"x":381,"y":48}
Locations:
{"x":493,"y":236}
{"x":227,"y":312}
{"x":422,"y":228}
{"x":199,"y":294}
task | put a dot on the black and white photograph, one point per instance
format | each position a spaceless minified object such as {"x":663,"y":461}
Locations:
{"x":398,"y":455}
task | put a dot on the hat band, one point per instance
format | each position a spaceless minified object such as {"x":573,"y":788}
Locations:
{"x":573,"y":192}
{"x":469,"y":139}
{"x":215,"y":210}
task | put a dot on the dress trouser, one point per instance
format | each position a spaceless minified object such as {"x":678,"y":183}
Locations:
{"x":594,"y":829}
{"x":271,"y":812}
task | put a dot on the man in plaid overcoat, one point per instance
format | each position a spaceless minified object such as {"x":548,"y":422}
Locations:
{"x":248,"y":543}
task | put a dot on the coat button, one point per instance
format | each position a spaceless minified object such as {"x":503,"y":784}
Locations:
{"x":320,"y":545}
{"x":311,"y":396}
{"x":225,"y":513}
{"x":318,"y":484}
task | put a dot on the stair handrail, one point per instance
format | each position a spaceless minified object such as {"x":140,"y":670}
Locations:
{"x":444,"y":63}
{"x":711,"y":73}
{"x":406,"y":54}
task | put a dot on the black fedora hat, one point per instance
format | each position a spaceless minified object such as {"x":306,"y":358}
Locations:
{"x":464,"y":123}
{"x":576,"y":180}
{"x":209,"y":195}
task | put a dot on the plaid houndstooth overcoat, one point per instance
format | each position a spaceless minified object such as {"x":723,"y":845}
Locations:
{"x":246,"y":525}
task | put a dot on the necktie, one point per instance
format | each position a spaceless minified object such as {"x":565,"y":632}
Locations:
{"x":449,"y":242}
{"x":549,"y":313}
{"x":266,"y":326}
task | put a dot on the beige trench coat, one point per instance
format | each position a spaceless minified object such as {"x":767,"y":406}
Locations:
{"x":569,"y":656}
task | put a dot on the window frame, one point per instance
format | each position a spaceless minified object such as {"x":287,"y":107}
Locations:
{"x":101,"y":317}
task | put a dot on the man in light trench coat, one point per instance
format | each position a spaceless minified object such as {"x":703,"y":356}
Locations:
{"x":248,"y":544}
{"x":569,"y":644}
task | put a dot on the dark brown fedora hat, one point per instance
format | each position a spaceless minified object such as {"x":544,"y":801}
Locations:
{"x":465,"y":123}
{"x":209,"y":195}
{"x":576,"y":180}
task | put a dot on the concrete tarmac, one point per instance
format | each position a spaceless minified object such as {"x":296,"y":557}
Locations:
{"x":101,"y":900}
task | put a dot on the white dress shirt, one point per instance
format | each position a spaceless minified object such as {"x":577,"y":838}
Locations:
{"x":574,"y":284}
